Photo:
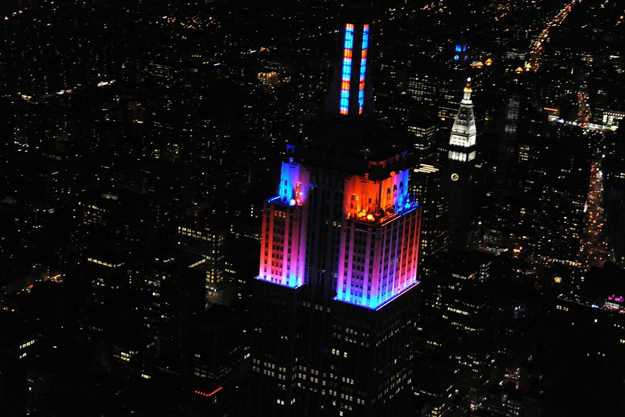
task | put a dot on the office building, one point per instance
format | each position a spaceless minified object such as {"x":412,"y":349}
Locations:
{"x":334,"y":303}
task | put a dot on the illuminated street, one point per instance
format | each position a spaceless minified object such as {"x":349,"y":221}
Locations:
{"x":595,"y":248}
{"x":533,"y":63}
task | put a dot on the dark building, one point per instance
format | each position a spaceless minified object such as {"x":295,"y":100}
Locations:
{"x":498,"y":226}
{"x":454,"y":339}
{"x":427,"y":186}
{"x":614,"y":173}
{"x":558,"y":184}
{"x":208,"y":242}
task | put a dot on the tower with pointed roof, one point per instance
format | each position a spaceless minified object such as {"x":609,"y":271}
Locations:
{"x":460,"y":189}
{"x":462,"y":141}
{"x":334,"y":303}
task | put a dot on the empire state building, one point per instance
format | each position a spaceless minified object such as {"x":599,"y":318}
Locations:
{"x":334,"y":303}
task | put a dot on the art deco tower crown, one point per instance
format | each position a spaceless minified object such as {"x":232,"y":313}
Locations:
{"x":339,"y":259}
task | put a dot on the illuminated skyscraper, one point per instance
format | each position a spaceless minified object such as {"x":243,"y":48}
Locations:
{"x":460,"y":187}
{"x":335,"y":300}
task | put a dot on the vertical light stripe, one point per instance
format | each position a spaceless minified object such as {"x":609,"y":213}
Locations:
{"x":363,"y":68}
{"x":348,"y":47}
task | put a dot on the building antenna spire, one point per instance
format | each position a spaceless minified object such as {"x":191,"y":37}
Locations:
{"x":467,"y":93}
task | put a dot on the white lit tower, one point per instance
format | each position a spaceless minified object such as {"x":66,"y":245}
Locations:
{"x":460,"y":189}
{"x":334,"y":303}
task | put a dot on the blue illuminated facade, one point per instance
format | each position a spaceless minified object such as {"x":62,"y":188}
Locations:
{"x":378,"y":252}
{"x":460,"y":53}
{"x":378,"y":249}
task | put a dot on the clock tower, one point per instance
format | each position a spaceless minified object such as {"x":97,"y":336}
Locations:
{"x":460,"y":187}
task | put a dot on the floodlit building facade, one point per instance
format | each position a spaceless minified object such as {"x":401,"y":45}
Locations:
{"x":334,"y":303}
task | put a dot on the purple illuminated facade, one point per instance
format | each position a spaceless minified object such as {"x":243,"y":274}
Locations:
{"x":378,"y":247}
{"x":283,"y":250}
{"x":378,"y":255}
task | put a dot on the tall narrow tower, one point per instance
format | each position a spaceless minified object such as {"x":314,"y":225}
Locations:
{"x":460,"y":182}
{"x":335,"y":300}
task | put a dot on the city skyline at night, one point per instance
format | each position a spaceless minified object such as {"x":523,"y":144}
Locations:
{"x":315,"y":208}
